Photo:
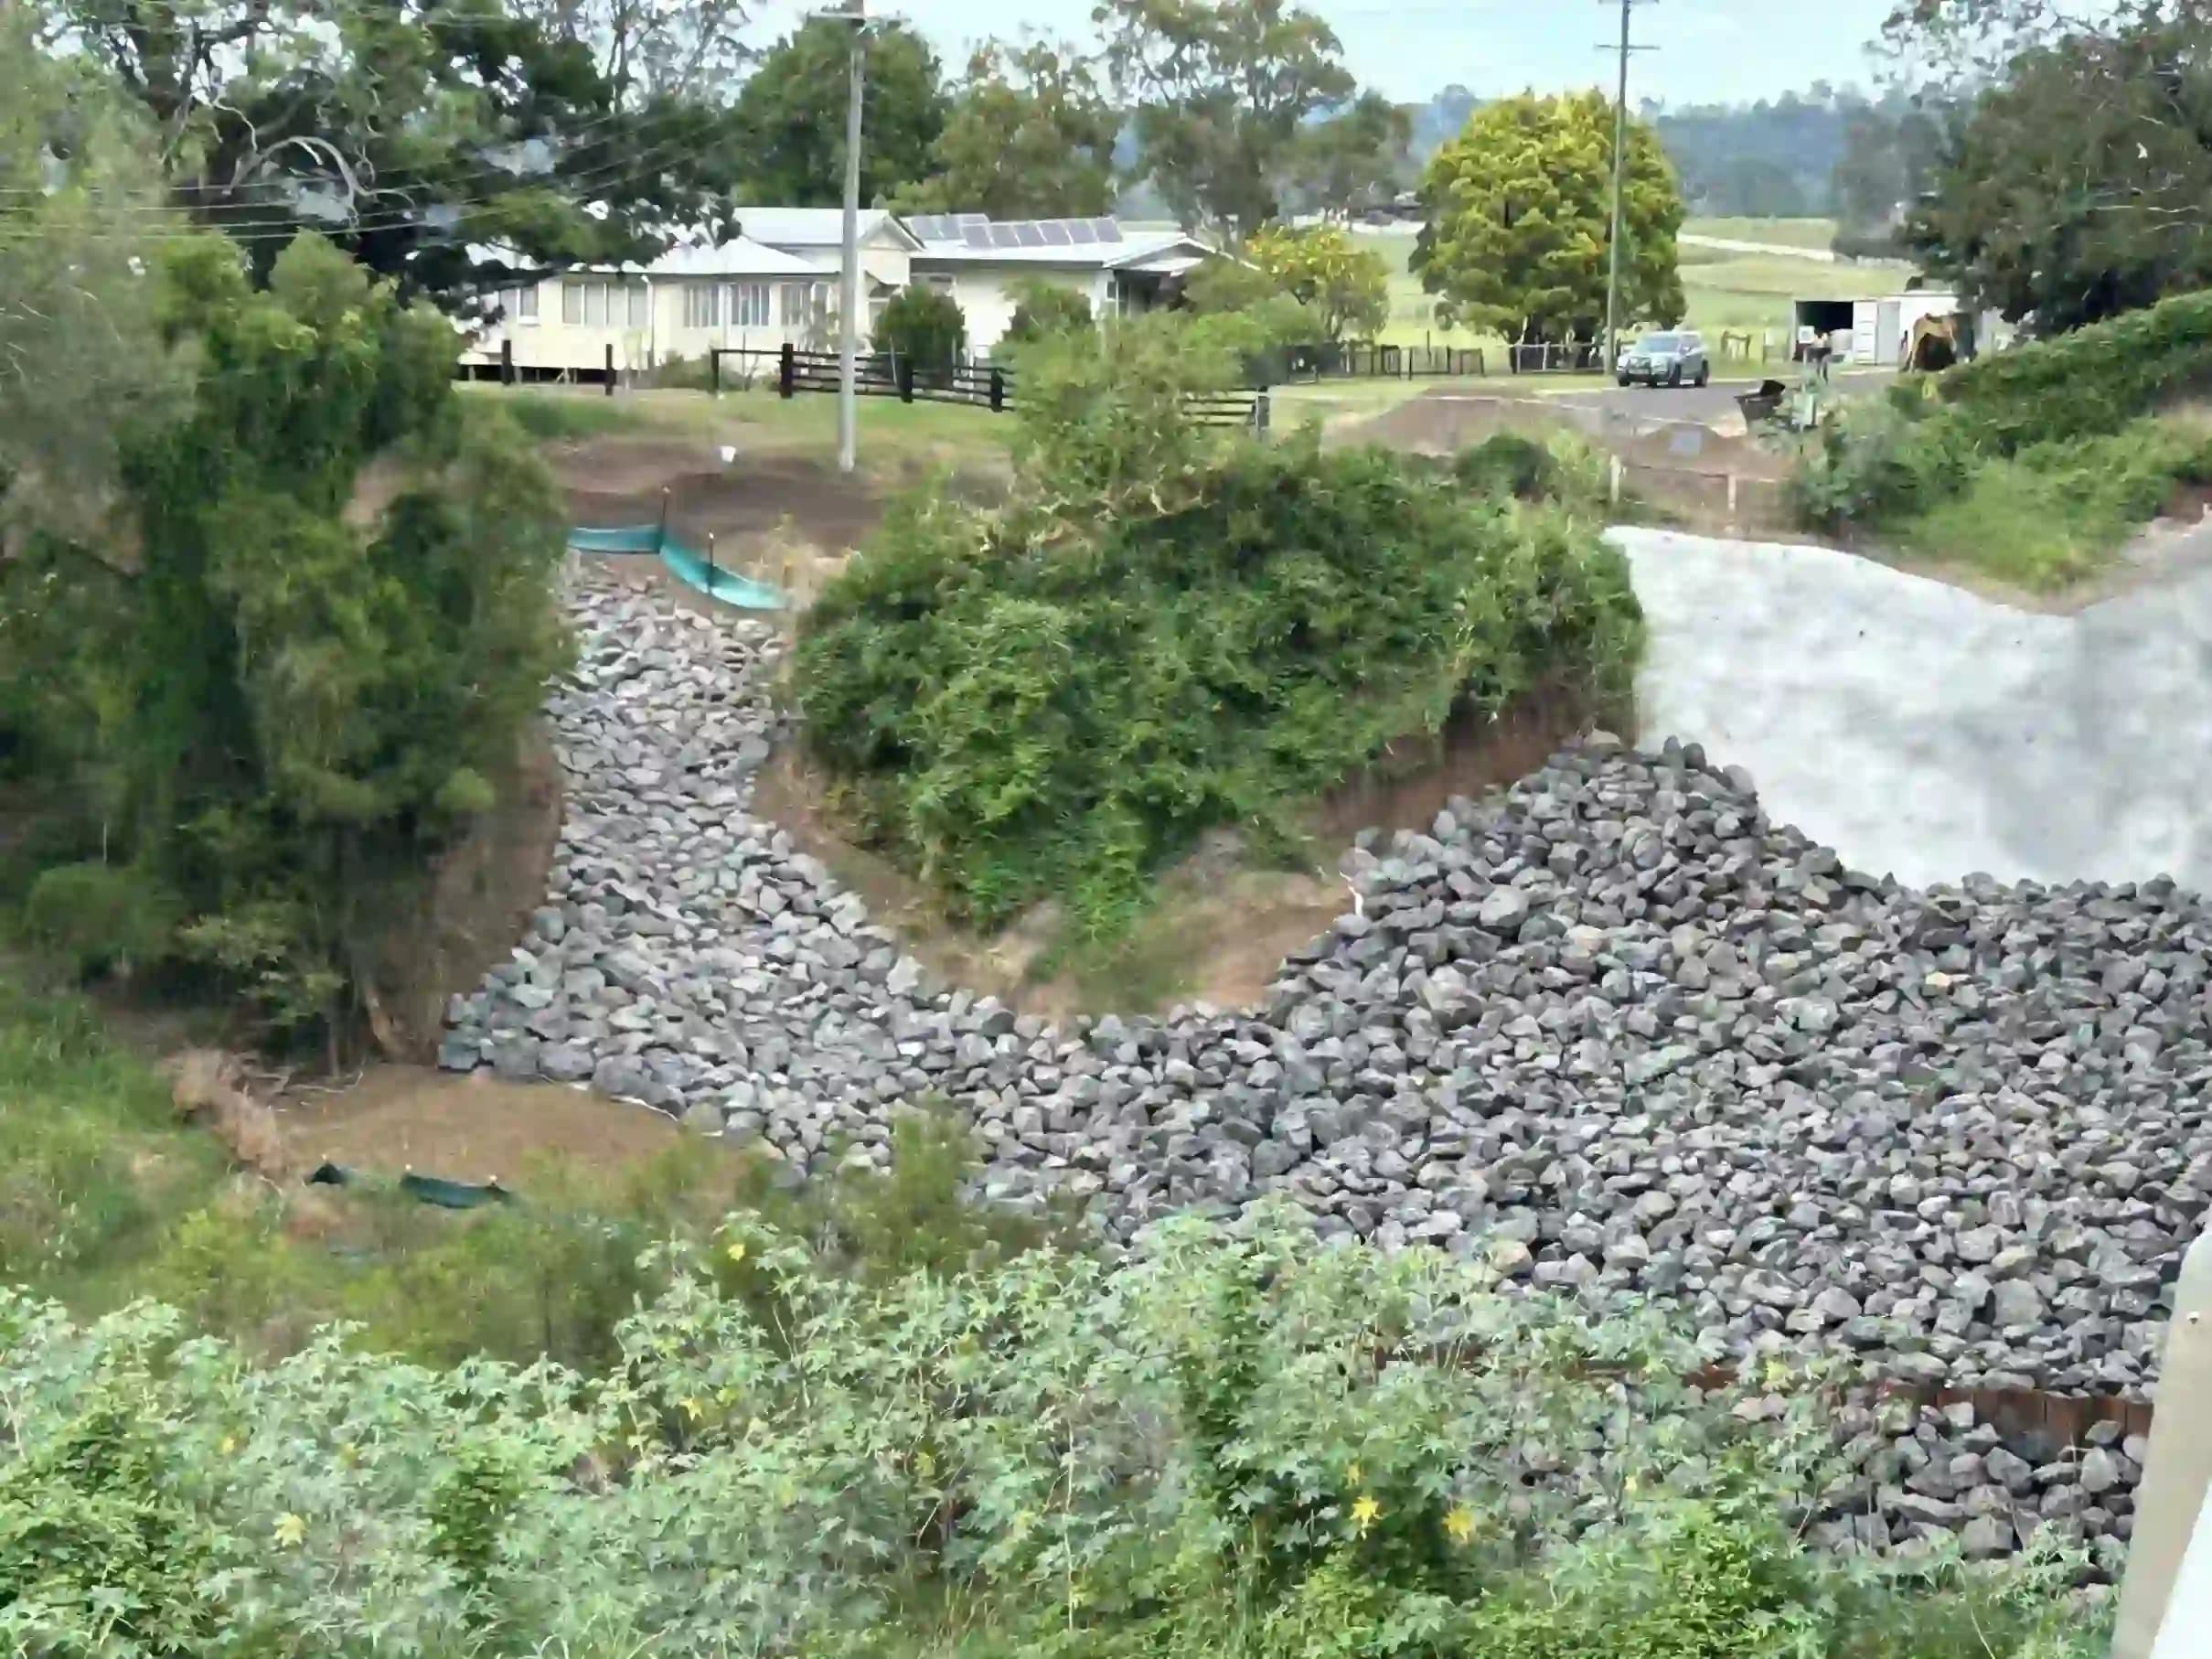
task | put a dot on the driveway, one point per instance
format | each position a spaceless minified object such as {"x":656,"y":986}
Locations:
{"x":1702,"y":404}
{"x":1919,"y":729}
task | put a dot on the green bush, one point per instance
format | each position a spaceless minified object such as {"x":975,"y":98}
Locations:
{"x":1168,"y":628}
{"x":1252,"y":1447}
{"x":335,"y":617}
{"x":98,"y":917}
{"x":2088,"y":383}
{"x":1875,"y":459}
{"x":1042,"y":308}
{"x":924,"y":325}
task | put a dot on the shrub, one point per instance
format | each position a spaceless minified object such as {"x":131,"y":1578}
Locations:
{"x":2088,"y":383}
{"x":1044,"y":308}
{"x":1262,"y":1447}
{"x":1507,"y":464}
{"x":924,"y":325}
{"x":1167,"y":630}
{"x":1875,"y":459}
{"x":98,"y":917}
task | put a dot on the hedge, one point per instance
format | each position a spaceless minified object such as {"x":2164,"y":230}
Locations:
{"x":2087,"y":383}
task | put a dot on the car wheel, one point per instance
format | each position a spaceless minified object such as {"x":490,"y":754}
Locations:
{"x":1705,"y":373}
{"x":1674,"y":375}
{"x":1622,"y":378}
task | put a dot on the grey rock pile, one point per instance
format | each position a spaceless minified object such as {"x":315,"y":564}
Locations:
{"x":1613,"y":1029}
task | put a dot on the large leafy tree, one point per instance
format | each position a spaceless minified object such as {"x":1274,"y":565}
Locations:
{"x":1519,"y":211}
{"x":1030,"y":135}
{"x":422,"y":136}
{"x":790,"y":116}
{"x":2076,"y":184}
{"x":288,"y":668}
{"x":1353,"y":159}
{"x":1345,"y":288}
{"x":1233,"y":98}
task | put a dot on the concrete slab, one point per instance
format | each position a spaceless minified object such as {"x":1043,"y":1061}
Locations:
{"x":1922,"y":730}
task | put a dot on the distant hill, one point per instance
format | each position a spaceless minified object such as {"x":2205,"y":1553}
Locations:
{"x":1776,"y":158}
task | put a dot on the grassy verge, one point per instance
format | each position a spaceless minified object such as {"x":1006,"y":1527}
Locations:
{"x":106,"y":1197}
{"x":894,"y":438}
{"x":2040,"y":519}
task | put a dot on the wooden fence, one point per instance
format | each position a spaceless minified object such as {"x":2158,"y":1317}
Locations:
{"x":888,"y":375}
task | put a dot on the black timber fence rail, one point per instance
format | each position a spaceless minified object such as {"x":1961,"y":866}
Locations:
{"x":1365,"y":360}
{"x":978,"y":386}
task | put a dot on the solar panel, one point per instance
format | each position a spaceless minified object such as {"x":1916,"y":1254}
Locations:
{"x":977,"y":236}
{"x":1081,"y":232}
{"x":929,"y":227}
{"x":968,"y":220}
{"x":1055,"y":232}
{"x":1108,"y":232}
{"x":1030,"y":234}
{"x":1004,"y":236}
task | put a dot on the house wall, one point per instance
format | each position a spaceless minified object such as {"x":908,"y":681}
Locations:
{"x":665,"y":325}
{"x":888,"y":261}
{"x":989,"y":298}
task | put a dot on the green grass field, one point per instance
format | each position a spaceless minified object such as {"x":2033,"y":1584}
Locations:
{"x":1724,"y":289}
{"x":1780,"y":233}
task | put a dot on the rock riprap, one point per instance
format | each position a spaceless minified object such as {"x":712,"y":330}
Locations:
{"x":1612,"y":1027}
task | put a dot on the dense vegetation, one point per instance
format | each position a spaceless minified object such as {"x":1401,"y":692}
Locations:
{"x":2034,"y":464}
{"x":1168,"y":628}
{"x":1236,"y":1448}
{"x":278,"y":664}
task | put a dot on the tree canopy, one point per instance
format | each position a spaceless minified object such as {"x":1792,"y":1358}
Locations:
{"x":1518,"y":210}
{"x":1234,"y":99}
{"x":1030,"y":134}
{"x":292,"y":658}
{"x":790,"y":116}
{"x":2075,"y":186}
{"x":412,"y":134}
{"x":1346,"y":288}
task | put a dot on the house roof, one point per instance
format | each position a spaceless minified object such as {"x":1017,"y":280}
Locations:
{"x":740,"y":256}
{"x":744,"y":256}
{"x":814,"y":227}
{"x":1091,"y":244}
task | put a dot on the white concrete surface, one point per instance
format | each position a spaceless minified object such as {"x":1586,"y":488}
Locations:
{"x":1920,"y":730}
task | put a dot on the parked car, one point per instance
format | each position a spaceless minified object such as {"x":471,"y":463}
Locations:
{"x":1676,"y":357}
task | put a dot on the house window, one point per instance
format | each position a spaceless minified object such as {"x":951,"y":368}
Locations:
{"x":640,"y":310}
{"x":595,"y":305}
{"x":702,"y":305}
{"x":795,"y":305}
{"x":749,"y":305}
{"x":571,"y":304}
{"x":522,"y":305}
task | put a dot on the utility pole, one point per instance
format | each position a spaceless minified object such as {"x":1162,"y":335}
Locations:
{"x":1620,"y":153}
{"x":854,"y":12}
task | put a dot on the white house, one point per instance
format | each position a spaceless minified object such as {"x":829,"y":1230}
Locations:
{"x":742,"y":294}
{"x":776,"y":284}
{"x":983,"y":262}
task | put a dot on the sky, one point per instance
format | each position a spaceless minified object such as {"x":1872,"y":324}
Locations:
{"x":1708,"y":50}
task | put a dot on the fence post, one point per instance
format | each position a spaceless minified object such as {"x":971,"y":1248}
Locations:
{"x":1259,"y":411}
{"x":1613,"y":479}
{"x":714,"y":370}
{"x":902,"y":376}
{"x":998,"y":390}
{"x":660,"y":536}
{"x":610,"y":368}
{"x":2170,"y":1524}
{"x":786,"y":370}
{"x":709,"y":564}
{"x":506,"y":362}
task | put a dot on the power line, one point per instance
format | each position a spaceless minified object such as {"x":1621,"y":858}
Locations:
{"x":599,"y":179}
